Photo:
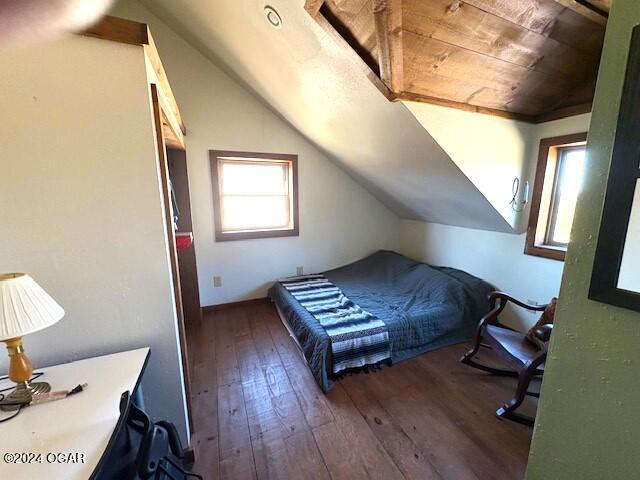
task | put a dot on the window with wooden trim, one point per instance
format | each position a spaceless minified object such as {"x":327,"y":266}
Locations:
{"x":255,"y":195}
{"x":558,"y":182}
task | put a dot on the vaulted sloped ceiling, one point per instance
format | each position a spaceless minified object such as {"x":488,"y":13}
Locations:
{"x":308,"y":74}
{"x":529,"y":60}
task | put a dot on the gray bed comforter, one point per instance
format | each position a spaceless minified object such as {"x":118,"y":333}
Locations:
{"x":424,"y":307}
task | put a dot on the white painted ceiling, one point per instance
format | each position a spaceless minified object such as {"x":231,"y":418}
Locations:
{"x":313,"y":83}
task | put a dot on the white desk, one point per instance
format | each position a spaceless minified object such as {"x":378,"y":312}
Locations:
{"x":82,"y":423}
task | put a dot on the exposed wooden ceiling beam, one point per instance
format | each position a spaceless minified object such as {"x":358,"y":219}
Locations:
{"x":370,"y":74}
{"x":388,"y":26}
{"x":135,"y":33}
{"x":380,"y":15}
{"x":313,"y":7}
{"x":564,"y":112}
{"x":467,"y":107}
{"x":120,"y":30}
{"x":171,"y":113}
{"x":587,"y":10}
{"x":604,"y":5}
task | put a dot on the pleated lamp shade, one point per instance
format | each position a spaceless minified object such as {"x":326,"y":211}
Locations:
{"x":24,"y":306}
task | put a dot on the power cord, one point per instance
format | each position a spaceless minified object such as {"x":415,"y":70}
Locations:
{"x":515,"y":188}
{"x":35,"y":376}
{"x":19,"y":404}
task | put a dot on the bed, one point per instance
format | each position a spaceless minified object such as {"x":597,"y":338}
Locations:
{"x":424,"y":307}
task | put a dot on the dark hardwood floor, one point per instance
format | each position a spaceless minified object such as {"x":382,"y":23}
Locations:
{"x":258,"y":413}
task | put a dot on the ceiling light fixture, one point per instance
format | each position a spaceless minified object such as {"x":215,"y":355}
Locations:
{"x":273,"y":17}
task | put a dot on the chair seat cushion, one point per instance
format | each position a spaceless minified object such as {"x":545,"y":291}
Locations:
{"x":512,"y":346}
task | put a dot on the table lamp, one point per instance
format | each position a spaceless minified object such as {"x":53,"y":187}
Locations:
{"x":24,"y":308}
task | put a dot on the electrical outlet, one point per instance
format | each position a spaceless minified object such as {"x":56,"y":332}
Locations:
{"x":217,"y":281}
{"x":299,"y":270}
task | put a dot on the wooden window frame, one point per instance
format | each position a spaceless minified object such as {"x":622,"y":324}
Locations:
{"x":222,"y":236}
{"x":546,"y":144}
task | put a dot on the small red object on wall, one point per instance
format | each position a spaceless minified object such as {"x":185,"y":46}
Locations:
{"x":184,"y":240}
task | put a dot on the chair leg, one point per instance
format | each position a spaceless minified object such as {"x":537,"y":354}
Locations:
{"x":515,"y":417}
{"x":508,"y":409}
{"x":467,"y":359}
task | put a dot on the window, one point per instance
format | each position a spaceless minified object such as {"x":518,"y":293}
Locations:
{"x":255,"y":195}
{"x":557,"y":186}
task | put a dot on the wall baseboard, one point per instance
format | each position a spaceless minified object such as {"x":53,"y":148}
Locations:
{"x":223,"y":306}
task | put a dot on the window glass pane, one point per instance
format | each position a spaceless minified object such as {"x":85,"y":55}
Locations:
{"x":254,"y":178}
{"x":568,"y":187}
{"x":255,"y":212}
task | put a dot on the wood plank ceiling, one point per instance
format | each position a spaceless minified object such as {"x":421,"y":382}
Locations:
{"x":531,"y":60}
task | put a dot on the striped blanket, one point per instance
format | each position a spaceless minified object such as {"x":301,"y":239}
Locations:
{"x":357,"y":337}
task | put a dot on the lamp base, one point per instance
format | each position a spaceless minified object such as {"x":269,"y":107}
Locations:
{"x":23,"y":394}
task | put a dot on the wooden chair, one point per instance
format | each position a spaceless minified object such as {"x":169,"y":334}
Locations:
{"x":524,"y":358}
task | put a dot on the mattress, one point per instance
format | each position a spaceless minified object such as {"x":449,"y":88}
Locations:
{"x":425,"y":307}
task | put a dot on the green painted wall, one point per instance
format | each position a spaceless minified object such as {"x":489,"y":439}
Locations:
{"x":589,"y":415}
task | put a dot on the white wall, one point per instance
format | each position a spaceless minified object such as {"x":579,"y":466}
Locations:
{"x":496,"y":257}
{"x":490,"y":150}
{"x":80,"y":207}
{"x":319,"y":87}
{"x":339,"y":220}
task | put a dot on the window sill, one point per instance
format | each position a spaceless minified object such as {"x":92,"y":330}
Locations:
{"x":231,"y":236}
{"x":545,"y":251}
